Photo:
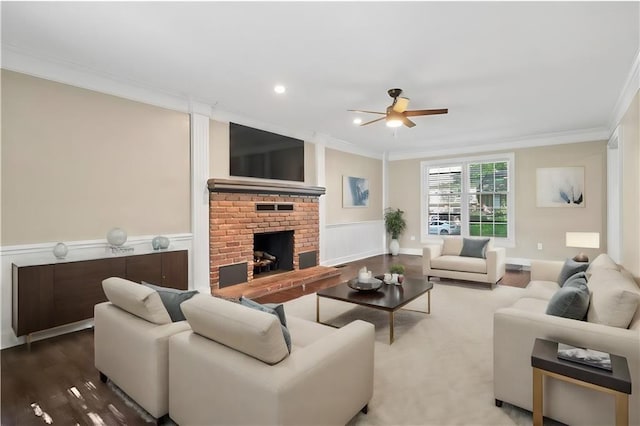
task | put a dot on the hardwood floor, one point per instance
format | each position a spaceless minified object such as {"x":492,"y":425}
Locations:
{"x":58,"y":373}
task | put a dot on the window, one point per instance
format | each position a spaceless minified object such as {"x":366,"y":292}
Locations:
{"x":471,"y":197}
{"x":444,"y":199}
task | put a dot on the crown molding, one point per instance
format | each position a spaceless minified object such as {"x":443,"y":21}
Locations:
{"x":559,"y":138}
{"x":74,"y":75}
{"x":348,"y":147}
{"x":628,"y":92}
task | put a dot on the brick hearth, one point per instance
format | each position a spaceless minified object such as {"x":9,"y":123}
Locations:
{"x":234,"y":218}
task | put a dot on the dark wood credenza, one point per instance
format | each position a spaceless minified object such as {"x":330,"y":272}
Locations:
{"x":49,"y":295}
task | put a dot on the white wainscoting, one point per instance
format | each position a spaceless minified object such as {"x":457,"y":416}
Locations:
{"x":346,"y":242}
{"x":36,"y":254}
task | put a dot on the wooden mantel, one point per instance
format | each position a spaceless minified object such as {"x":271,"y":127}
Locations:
{"x":259,"y":187}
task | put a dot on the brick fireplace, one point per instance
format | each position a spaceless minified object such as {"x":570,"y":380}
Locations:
{"x":241,"y":210}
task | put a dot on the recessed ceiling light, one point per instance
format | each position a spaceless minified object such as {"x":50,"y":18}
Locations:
{"x":279,"y":89}
{"x":357,"y":120}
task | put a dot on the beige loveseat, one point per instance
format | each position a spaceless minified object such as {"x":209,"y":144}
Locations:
{"x":613,"y":296}
{"x":234,"y":368}
{"x":443,"y":260}
{"x":132,"y":333}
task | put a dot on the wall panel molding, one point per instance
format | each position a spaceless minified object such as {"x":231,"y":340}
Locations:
{"x":347,"y":242}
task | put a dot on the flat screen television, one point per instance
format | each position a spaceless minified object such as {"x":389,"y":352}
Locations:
{"x":261,"y":154}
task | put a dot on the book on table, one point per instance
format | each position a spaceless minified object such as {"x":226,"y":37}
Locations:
{"x":585,"y":356}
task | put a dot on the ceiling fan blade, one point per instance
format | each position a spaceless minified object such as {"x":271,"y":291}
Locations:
{"x":372,"y":121}
{"x":401,"y":104}
{"x":417,"y":112}
{"x":408,"y":122}
{"x":367,"y":112}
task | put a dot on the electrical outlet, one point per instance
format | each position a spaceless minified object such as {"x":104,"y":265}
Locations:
{"x":539,"y":246}
{"x":413,"y":238}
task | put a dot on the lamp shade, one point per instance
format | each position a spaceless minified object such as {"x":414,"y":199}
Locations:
{"x":583,"y":239}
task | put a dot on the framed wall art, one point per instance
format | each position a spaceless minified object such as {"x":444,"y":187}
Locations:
{"x":560,"y":187}
{"x":355,"y":191}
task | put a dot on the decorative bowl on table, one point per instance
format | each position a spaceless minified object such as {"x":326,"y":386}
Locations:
{"x":368,"y":284}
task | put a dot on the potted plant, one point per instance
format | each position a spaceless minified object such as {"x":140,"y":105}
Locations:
{"x":397,"y":273}
{"x":395,"y":224}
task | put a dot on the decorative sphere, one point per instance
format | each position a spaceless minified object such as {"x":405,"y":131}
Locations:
{"x":60,"y":250}
{"x":160,"y":242}
{"x":117,"y":236}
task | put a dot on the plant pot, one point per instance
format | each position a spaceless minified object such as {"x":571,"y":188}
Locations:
{"x":394,"y":247}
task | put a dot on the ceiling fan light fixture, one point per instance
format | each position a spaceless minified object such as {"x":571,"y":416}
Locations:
{"x":394,"y":122}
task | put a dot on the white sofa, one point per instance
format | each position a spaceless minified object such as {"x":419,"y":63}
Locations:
{"x":517,"y":327}
{"x":234,"y":368}
{"x":132,"y":333}
{"x":443,"y":260}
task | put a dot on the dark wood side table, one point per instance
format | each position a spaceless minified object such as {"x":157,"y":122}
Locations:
{"x":545,"y":362}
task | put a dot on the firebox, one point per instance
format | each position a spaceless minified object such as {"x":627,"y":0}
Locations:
{"x":273,"y":252}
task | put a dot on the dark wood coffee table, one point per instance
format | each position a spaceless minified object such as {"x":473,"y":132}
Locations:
{"x":388,"y":298}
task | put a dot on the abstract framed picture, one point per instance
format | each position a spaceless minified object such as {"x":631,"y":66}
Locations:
{"x":560,"y":187}
{"x":355,"y":191}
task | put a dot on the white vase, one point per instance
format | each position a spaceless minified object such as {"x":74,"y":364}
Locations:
{"x":394,"y":247}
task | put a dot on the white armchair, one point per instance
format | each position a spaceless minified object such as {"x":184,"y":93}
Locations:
{"x":234,"y":368}
{"x":444,"y":260}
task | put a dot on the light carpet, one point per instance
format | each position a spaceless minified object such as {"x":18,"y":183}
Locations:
{"x":439,"y":370}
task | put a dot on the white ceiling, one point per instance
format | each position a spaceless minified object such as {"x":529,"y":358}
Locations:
{"x":505,"y":70}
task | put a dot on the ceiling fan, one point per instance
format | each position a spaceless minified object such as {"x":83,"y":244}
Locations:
{"x":397,"y":113}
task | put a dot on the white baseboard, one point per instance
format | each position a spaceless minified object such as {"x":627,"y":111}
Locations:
{"x":352,"y":258}
{"x":413,"y":251}
{"x":518,"y":261}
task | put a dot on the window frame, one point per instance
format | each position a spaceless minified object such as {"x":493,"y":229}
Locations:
{"x":464,"y":162}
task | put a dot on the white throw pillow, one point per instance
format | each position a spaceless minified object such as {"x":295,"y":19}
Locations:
{"x":252,"y":332}
{"x":613,"y":306}
{"x":602,"y":261}
{"x":452,"y":246}
{"x":136,"y":299}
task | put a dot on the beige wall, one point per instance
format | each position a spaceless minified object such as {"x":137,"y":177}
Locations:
{"x":339,"y":164}
{"x":218,"y":149}
{"x":76,"y":163}
{"x":219,"y":154}
{"x":533,"y":225}
{"x":630,"y":194}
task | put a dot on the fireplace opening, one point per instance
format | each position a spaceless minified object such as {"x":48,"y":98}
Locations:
{"x":272,"y":252}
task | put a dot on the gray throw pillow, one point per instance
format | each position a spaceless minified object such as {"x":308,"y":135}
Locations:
{"x":571,"y":267}
{"x":474,"y":247}
{"x":273,"y":309}
{"x":279,"y":308}
{"x":579,"y":278}
{"x":172,"y":298}
{"x":571,"y":301}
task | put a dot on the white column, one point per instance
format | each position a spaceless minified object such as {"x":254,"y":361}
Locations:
{"x":614,"y":200}
{"x":322,"y":215}
{"x":385,"y":195}
{"x":200,"y":200}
